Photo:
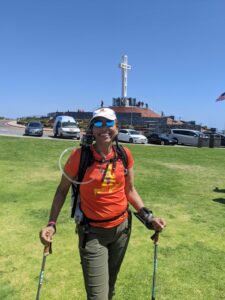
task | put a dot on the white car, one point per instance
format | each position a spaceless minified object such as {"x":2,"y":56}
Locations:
{"x":131,"y":136}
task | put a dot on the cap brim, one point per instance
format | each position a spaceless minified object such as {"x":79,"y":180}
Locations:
{"x":103,"y":115}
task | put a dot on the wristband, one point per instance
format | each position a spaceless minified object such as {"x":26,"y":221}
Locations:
{"x":51,"y":223}
{"x":146,"y":214}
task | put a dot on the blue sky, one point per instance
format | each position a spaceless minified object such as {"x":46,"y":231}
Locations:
{"x":64,"y":55}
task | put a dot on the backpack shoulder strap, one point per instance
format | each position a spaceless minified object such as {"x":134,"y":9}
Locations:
{"x":123,"y":155}
{"x":86,"y":158}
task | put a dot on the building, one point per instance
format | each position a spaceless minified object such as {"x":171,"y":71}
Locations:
{"x":138,"y":117}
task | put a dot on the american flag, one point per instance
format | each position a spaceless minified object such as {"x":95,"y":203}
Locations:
{"x":221,"y":97}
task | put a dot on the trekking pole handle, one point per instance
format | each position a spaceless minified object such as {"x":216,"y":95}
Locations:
{"x":155,"y":237}
{"x":48,"y":249}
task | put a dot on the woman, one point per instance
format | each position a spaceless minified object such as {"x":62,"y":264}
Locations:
{"x":103,"y":239}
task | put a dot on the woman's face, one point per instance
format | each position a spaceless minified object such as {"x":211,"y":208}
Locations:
{"x":104,"y":130}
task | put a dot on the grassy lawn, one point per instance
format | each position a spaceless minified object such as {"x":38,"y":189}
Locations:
{"x":175,"y":182}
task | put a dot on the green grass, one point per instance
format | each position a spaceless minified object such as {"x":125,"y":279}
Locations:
{"x":175,"y":182}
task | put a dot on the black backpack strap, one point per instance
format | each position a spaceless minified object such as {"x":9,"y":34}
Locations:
{"x":123,"y":155}
{"x":86,"y":158}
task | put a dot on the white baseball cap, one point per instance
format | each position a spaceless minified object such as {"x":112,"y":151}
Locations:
{"x":104,"y":112}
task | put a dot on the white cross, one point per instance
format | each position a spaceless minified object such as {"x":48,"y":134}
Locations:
{"x":124,"y":67}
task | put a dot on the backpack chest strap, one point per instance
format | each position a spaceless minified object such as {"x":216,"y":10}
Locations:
{"x":108,"y":162}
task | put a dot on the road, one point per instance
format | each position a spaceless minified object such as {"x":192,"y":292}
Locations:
{"x":10,"y":128}
{"x":17,"y":130}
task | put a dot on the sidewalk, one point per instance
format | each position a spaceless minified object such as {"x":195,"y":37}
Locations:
{"x":14,"y":124}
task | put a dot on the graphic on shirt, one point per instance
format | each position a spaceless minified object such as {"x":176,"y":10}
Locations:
{"x":109,"y":184}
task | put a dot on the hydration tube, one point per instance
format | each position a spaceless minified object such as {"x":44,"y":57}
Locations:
{"x":63,"y":172}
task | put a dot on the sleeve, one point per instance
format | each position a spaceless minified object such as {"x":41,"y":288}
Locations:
{"x":72,"y":165}
{"x":130,"y":158}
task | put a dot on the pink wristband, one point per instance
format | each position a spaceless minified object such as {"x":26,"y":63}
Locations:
{"x":51,"y":223}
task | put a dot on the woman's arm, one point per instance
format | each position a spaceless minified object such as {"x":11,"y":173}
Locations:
{"x":58,"y":201}
{"x":59,"y":198}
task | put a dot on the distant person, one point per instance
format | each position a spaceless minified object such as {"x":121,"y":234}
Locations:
{"x":102,"y":103}
{"x":105,"y":229}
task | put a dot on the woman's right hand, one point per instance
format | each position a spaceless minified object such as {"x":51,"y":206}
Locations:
{"x":46,"y":235}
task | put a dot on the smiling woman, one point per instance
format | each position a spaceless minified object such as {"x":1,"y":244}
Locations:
{"x":102,"y":217}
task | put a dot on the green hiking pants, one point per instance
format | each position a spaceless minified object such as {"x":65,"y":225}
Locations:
{"x":102,"y":251}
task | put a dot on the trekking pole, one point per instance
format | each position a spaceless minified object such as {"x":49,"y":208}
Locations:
{"x":47,"y":251}
{"x":155,"y":238}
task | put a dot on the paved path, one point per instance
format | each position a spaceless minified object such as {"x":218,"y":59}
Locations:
{"x":11,"y":128}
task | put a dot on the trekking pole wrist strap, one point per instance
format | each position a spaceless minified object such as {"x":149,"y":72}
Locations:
{"x":145,"y":216}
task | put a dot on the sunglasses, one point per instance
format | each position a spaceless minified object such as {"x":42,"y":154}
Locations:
{"x":99,"y":124}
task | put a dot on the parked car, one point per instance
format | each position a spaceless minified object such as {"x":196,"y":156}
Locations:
{"x":66,"y":126}
{"x":161,"y":139}
{"x":34,"y":128}
{"x":188,"y":136}
{"x":131,"y":136}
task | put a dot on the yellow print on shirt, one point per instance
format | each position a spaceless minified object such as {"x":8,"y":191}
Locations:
{"x":109,"y":184}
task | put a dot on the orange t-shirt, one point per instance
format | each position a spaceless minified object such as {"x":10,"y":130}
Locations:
{"x":102,"y":200}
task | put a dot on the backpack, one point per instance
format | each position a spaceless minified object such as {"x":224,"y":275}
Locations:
{"x":86,"y":160}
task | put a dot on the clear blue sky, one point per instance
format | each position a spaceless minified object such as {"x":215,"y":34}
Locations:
{"x":64,"y":55}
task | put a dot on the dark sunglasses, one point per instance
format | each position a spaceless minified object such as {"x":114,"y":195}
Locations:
{"x":99,"y":124}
